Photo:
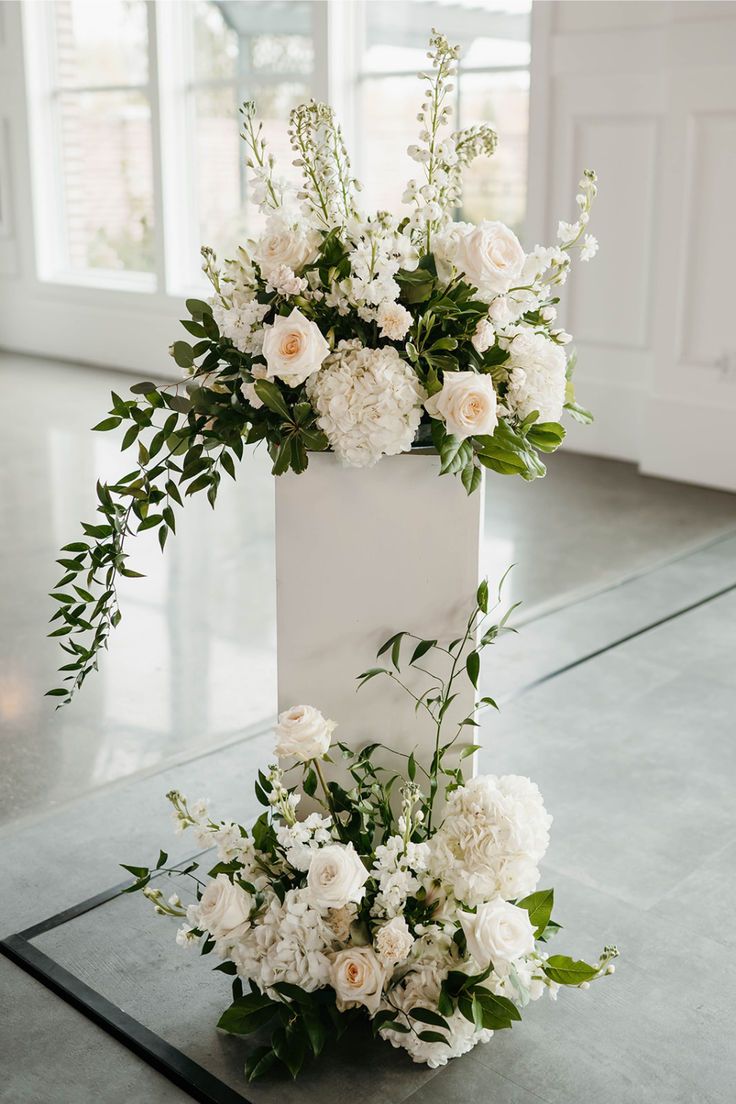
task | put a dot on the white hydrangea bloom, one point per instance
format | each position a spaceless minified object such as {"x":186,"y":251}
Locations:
{"x":420,"y":988}
{"x":537,"y":377}
{"x":369,"y":403}
{"x":288,"y":942}
{"x":495,"y":832}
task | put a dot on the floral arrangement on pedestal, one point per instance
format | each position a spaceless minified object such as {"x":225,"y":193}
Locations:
{"x":424,"y":920}
{"x":362,"y":334}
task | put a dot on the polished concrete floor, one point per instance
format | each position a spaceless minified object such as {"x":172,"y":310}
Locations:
{"x":618,"y":698}
{"x":192,"y":666}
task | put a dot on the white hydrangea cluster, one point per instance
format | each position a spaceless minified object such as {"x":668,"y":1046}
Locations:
{"x":369,"y":403}
{"x":495,"y":832}
{"x":287,"y":944}
{"x":396,"y":869}
{"x":537,"y":368}
{"x":420,"y":988}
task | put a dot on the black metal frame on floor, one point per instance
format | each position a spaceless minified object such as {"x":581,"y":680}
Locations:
{"x":198,"y":1082}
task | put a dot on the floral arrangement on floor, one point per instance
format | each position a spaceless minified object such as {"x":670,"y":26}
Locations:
{"x":421,"y":919}
{"x":361,"y":334}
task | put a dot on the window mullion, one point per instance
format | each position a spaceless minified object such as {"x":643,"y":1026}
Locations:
{"x":152,"y":92}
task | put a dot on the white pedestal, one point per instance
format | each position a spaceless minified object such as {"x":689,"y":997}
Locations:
{"x":362,"y":554}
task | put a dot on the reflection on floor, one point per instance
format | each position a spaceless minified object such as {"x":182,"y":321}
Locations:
{"x":192,"y":665}
{"x":620,"y":706}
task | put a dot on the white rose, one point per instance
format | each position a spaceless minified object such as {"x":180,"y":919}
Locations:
{"x":293,"y":348}
{"x":224,"y":909}
{"x":466,"y":404}
{"x":358,"y":977}
{"x":303,"y":733}
{"x":491,"y":258}
{"x":282,"y":244}
{"x":497,"y":931}
{"x":336,"y":876}
{"x":394,"y":941}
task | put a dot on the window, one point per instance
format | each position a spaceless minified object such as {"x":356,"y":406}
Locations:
{"x":492,"y":86}
{"x":94,"y":158}
{"x":136,"y":153}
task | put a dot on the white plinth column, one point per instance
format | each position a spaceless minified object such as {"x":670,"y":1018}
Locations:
{"x":361,"y":554}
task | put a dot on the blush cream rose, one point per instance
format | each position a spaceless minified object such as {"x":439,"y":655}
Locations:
{"x":466,"y":404}
{"x":357,"y":975}
{"x":498,"y":931}
{"x":303,"y":733}
{"x":293,"y":348}
{"x":336,"y":876}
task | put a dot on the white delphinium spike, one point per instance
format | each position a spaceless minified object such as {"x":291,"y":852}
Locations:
{"x":270,"y":190}
{"x":329,"y":187}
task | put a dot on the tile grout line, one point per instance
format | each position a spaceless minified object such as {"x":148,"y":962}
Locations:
{"x":617,"y":643}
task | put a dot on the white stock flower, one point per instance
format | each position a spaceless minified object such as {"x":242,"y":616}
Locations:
{"x":490,"y":257}
{"x":589,"y":247}
{"x":293,"y":348}
{"x":396,"y":867}
{"x":225,"y":908}
{"x":495,"y":832}
{"x":238,"y":319}
{"x":368,"y":402}
{"x":498,"y":931}
{"x":303,"y":733}
{"x":393,"y":320}
{"x":301,"y":839}
{"x":336,"y":876}
{"x":283,"y":243}
{"x":483,"y":337}
{"x":357,"y":975}
{"x":393,"y":941}
{"x":501,"y":312}
{"x":283,"y":281}
{"x":537,"y":377}
{"x":466,"y":404}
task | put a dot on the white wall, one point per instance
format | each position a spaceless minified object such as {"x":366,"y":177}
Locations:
{"x":645,"y":93}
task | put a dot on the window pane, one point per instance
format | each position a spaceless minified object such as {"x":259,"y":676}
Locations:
{"x":222,"y":199}
{"x":101,"y":43}
{"x":107,"y":178}
{"x":215,"y":43}
{"x":495,"y":187}
{"x":389,"y":124}
{"x":489,"y":32}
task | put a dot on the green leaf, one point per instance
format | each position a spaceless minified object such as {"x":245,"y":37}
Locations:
{"x":309,"y":784}
{"x":472,"y":666}
{"x":579,"y":413}
{"x":432,"y":1037}
{"x":421,"y":649}
{"x":568,"y":971}
{"x":426,"y":1015}
{"x":182,"y":354}
{"x":315,"y":1029}
{"x":454,"y":454}
{"x":259,"y":1062}
{"x":246,"y":1014}
{"x":546,"y":436}
{"x":539,"y":906}
{"x":143,"y":388}
{"x":270,"y":395}
{"x":107,"y":423}
{"x":481,"y":597}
